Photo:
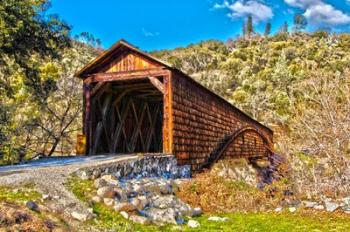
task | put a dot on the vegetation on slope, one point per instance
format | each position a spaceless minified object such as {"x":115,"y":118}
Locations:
{"x":298,"y":84}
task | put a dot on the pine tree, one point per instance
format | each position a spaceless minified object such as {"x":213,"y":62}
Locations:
{"x":244,"y":29}
{"x":267,"y":29}
{"x":284,"y":28}
{"x":250,"y":28}
{"x":300,"y":22}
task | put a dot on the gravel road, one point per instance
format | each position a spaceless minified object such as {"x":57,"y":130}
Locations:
{"x":50,"y":175}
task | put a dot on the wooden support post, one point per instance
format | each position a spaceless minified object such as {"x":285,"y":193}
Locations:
{"x":87,"y":115}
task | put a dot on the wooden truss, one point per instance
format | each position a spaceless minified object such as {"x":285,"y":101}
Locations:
{"x":127,"y":118}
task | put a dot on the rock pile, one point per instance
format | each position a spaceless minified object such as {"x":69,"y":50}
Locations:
{"x":144,"y":200}
{"x":327,"y":204}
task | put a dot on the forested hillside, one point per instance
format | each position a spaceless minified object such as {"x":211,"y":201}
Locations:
{"x":296,"y":83}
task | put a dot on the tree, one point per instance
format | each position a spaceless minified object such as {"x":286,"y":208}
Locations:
{"x":244,"y":29}
{"x":250,"y":28}
{"x":267,"y":29}
{"x":27,"y":37}
{"x":300,"y":22}
{"x":284,"y":28}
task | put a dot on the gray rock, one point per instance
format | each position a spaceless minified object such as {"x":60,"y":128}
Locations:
{"x":184,"y":209}
{"x":310,"y":204}
{"x":331,"y":206}
{"x":218,"y":219}
{"x":110,"y":180}
{"x":137,"y":203}
{"x":161,"y":216}
{"x":46,"y":197}
{"x":96,"y":174}
{"x":163,"y":202}
{"x":139,"y":219}
{"x":84,"y":175}
{"x":278,"y":209}
{"x":80,"y":216}
{"x":319,"y":207}
{"x":124,"y":206}
{"x":144,"y":201}
{"x":32,"y":206}
{"x":120,"y":194}
{"x":124,"y":214}
{"x":99,"y":183}
{"x":346,"y":201}
{"x":193,"y":224}
{"x":96,"y":199}
{"x":197,"y":212}
{"x":108,"y":201}
{"x":106,"y":192}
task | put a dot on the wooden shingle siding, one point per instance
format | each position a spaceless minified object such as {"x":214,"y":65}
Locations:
{"x":201,"y":120}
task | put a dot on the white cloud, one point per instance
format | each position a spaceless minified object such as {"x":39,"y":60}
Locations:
{"x":320,"y":13}
{"x":149,"y":34}
{"x":302,"y":3}
{"x":325,"y":13}
{"x":240,"y":9}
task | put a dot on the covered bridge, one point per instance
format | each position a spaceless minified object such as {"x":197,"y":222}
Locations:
{"x":134,"y":102}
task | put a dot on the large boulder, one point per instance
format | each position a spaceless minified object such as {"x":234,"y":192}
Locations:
{"x":106,"y":192}
{"x":162,"y":216}
{"x":99,"y":183}
{"x":111,"y":180}
{"x":120,"y":194}
{"x":139,"y":219}
{"x":124,"y":206}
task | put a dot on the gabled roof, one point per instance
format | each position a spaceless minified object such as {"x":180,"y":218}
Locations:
{"x":103,"y":58}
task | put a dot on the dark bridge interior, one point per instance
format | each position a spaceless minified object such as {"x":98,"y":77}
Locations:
{"x":127,"y":117}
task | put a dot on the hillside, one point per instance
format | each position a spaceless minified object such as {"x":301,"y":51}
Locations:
{"x":297,"y":84}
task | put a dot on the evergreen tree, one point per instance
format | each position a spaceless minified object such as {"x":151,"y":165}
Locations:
{"x":244,"y":29}
{"x":300,"y":22}
{"x":267,"y":29}
{"x":250,"y":28}
{"x":284,"y":28}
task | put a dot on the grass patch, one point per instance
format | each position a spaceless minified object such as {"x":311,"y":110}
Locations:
{"x":18,"y":195}
{"x":298,"y":222}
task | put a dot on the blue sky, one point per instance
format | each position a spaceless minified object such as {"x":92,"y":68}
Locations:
{"x":160,"y":24}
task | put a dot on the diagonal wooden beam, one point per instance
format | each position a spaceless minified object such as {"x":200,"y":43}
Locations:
{"x":157,"y":83}
{"x":137,"y":129}
{"x":100,"y":87}
{"x":120,"y":126}
{"x":152,"y":120}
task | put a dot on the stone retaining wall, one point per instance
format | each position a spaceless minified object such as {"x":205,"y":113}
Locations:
{"x":147,"y":165}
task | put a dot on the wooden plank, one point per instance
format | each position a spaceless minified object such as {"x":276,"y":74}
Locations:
{"x":125,"y":76}
{"x":87,"y":113}
{"x":159,"y":85}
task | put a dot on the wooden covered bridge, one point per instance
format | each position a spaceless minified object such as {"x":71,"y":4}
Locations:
{"x":134,"y":102}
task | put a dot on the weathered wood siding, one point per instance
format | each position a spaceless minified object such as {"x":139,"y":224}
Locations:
{"x":201,"y":120}
{"x":247,"y":144}
{"x":129,"y":61}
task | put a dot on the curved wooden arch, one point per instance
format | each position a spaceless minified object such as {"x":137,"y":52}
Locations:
{"x":231,"y":139}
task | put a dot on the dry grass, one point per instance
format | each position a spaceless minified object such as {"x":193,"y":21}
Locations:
{"x":219,"y":195}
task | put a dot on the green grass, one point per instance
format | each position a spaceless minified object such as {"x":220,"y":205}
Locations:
{"x":298,"y":222}
{"x":18,"y":195}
